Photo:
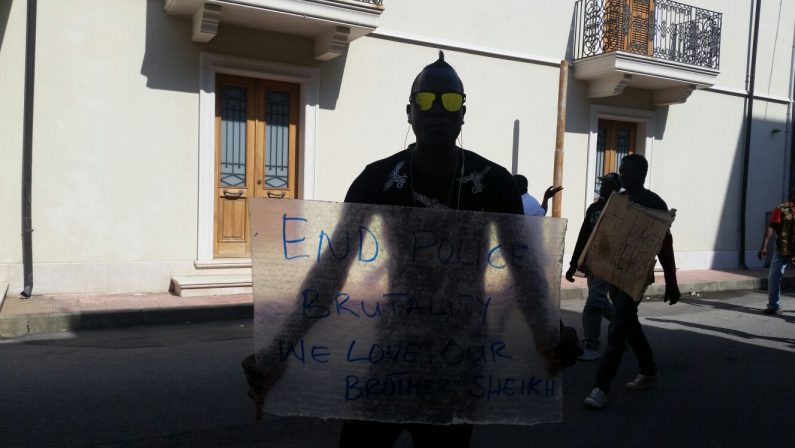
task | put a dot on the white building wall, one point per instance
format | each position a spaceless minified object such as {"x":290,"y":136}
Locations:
{"x":697,"y":169}
{"x":734,"y":39}
{"x":528,"y":26}
{"x":115,"y":163}
{"x":774,"y":52}
{"x":12,"y":88}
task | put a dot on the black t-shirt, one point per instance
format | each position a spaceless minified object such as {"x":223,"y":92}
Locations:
{"x":484,"y":185}
{"x":650,"y":199}
{"x":588,"y":224}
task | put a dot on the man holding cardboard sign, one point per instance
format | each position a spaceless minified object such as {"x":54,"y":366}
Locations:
{"x":631,"y":230}
{"x":407,"y":319}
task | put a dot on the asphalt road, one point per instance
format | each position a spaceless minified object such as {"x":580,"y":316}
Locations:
{"x":727,"y":380}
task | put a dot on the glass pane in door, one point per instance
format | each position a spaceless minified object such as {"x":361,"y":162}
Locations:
{"x":233,"y":137}
{"x":601,"y":135}
{"x":277,"y":140}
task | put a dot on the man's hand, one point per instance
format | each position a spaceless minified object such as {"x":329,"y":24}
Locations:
{"x":762,"y":254}
{"x":570,"y":274}
{"x":551,"y":191}
{"x":569,"y":349}
{"x":672,"y":294}
{"x":259,"y":382}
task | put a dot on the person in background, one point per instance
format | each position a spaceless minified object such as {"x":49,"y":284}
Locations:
{"x":530,"y":204}
{"x":782,"y":223}
{"x":597,"y":304}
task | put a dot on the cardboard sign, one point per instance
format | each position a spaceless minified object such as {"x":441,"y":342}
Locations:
{"x":624,"y":244}
{"x":403,"y":314}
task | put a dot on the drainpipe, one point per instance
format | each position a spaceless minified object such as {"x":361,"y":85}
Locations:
{"x":790,"y":128}
{"x":749,"y":98}
{"x":27,"y":151}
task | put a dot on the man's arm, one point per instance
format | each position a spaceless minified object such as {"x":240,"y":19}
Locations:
{"x":550,"y":192}
{"x":762,"y":254}
{"x":582,"y":239}
{"x":666,"y":257}
{"x":666,"y":253}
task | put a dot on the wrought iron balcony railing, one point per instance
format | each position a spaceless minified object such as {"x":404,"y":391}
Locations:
{"x":661,"y":29}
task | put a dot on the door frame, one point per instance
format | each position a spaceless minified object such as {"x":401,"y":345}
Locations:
{"x":308,"y":78}
{"x":644,"y":139}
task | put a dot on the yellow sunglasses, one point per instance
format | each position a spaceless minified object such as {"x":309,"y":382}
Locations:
{"x":451,"y":101}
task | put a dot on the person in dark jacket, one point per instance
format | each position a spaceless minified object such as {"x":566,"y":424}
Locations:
{"x":597,"y":304}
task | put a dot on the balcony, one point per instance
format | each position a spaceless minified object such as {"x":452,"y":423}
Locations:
{"x":667,"y":47}
{"x":332,"y":24}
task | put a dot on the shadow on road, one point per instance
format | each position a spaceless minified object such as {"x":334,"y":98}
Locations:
{"x":729,"y":331}
{"x":183,"y":387}
{"x":734,"y":307}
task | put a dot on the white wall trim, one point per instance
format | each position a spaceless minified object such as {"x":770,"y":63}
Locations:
{"x":743,"y":93}
{"x":645,"y":142}
{"x":211,"y":64}
{"x":419,"y":39}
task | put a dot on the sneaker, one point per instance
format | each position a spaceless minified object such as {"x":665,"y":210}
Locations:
{"x":597,"y":399}
{"x":590,"y":355}
{"x":773,"y":311}
{"x":642,"y":382}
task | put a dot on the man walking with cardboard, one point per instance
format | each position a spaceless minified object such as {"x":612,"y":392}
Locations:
{"x":625,"y":326}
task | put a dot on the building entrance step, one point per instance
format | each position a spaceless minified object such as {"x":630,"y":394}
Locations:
{"x":211,"y":285}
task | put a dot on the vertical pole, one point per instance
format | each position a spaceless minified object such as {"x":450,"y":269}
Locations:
{"x":557,"y":176}
{"x":749,"y":121}
{"x":27,"y":151}
{"x":789,"y":182}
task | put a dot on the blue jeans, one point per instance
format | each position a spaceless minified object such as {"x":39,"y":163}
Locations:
{"x":624,"y":328}
{"x":596,"y":307}
{"x":777,"y":267}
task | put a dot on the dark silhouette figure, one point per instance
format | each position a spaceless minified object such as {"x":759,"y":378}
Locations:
{"x":433,"y":173}
{"x":625,"y":326}
{"x":597,"y":304}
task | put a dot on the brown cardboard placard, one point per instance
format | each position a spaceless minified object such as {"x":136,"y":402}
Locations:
{"x":624,"y":243}
{"x":407,"y":315}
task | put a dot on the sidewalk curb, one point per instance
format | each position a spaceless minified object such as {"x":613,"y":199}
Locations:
{"x":658,"y":289}
{"x":24,"y":324}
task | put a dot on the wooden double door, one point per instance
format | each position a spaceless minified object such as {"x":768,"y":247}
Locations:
{"x":256,"y":146}
{"x":614,"y":140}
